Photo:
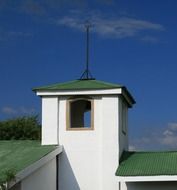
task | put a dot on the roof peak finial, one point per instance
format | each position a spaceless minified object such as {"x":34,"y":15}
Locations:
{"x":87,"y":74}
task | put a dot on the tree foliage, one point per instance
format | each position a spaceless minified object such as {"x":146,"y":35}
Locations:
{"x":9,"y":176}
{"x":21,"y":128}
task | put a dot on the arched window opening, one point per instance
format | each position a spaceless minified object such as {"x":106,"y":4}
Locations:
{"x":80,"y":114}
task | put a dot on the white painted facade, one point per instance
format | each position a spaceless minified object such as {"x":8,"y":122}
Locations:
{"x":42,"y":179}
{"x":50,"y":120}
{"x":123,"y":126}
{"x":90,"y":157}
{"x":88,"y":154}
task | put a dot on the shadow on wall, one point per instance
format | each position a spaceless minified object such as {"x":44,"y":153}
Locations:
{"x":16,"y":187}
{"x":152,"y":185}
{"x":67,"y":180}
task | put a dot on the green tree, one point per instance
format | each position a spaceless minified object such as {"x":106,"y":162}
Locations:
{"x":21,"y":128}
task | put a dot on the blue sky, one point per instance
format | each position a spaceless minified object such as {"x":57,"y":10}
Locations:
{"x":132,"y":43}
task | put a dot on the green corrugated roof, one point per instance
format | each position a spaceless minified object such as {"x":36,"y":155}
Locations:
{"x":17,"y":155}
{"x":147,"y":164}
{"x":79,"y":85}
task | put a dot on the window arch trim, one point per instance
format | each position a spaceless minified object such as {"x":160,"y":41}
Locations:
{"x":68,"y":113}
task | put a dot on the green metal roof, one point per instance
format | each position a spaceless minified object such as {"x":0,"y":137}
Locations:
{"x":79,"y":85}
{"x":17,"y":155}
{"x":147,"y":164}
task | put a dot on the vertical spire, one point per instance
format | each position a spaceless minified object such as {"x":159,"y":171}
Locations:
{"x":87,"y":74}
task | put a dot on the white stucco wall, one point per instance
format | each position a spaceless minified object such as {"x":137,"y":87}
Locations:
{"x":150,"y":186}
{"x":109,"y":142}
{"x":49,"y":120}
{"x":123,"y":120}
{"x":42,"y":179}
{"x":80,"y":160}
{"x":90,"y":158}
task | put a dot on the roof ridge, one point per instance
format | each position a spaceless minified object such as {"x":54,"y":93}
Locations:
{"x":108,"y":83}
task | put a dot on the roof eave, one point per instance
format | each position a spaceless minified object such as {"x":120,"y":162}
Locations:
{"x":78,"y":92}
{"x":36,"y":165}
{"x":154,"y":178}
{"x":129,"y":98}
{"x":114,"y":91}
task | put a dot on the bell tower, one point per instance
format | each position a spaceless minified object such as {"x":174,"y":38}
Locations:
{"x":89,"y":118}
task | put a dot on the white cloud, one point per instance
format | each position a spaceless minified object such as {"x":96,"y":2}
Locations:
{"x":9,"y":110}
{"x":170,"y":141}
{"x":172,"y":126}
{"x":71,"y":22}
{"x":169,"y":136}
{"x":120,"y":27}
{"x":17,"y":111}
{"x":164,"y":138}
{"x":167,"y":133}
{"x":131,"y":148}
